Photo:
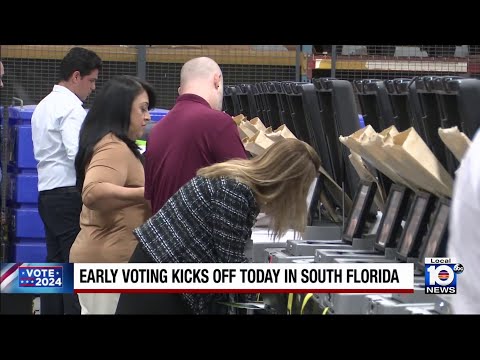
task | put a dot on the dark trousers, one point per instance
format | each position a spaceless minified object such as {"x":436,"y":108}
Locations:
{"x":16,"y":304}
{"x":150,"y":304}
{"x":60,"y":212}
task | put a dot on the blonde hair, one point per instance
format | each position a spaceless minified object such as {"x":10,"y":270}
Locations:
{"x":280,"y":179}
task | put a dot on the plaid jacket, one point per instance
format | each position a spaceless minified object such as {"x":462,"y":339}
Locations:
{"x":208,"y":220}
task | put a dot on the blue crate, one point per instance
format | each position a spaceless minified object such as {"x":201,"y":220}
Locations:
{"x":361,"y":120}
{"x":24,"y":188}
{"x":23,"y":149}
{"x":34,"y":251}
{"x":28,"y":223}
{"x":20,"y":115}
{"x":157,"y":114}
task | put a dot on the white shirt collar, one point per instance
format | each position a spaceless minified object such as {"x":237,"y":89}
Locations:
{"x":62,"y":89}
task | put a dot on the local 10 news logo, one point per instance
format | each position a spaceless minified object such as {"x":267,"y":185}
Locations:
{"x":441,"y":275}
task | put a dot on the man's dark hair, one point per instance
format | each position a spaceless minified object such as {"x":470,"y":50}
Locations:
{"x":79,"y":59}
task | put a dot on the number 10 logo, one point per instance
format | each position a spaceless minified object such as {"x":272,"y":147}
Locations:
{"x":441,"y":278}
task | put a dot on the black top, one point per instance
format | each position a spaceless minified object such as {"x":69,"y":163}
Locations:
{"x":208,"y":220}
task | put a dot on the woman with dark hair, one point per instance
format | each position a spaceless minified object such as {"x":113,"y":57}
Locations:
{"x":111,"y":178}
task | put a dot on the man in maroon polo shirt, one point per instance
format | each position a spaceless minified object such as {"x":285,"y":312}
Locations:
{"x":195,"y":133}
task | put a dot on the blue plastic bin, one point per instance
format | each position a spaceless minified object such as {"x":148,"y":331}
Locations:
{"x":35,"y":251}
{"x":23,"y":149}
{"x":24,"y":188}
{"x":157,"y":114}
{"x":361,"y":120}
{"x":28,"y":223}
{"x":20,"y":115}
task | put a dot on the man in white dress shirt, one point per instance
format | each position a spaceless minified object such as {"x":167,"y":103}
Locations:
{"x":56,"y":123}
{"x":464,"y":231}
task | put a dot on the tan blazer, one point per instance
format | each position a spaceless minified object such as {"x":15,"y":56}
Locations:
{"x":106,"y":236}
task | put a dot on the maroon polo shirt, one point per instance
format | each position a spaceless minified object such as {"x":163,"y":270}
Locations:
{"x":191,"y":136}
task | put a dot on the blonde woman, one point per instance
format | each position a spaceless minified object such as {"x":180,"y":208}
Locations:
{"x":210,"y":218}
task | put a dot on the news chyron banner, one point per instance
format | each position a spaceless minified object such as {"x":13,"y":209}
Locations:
{"x":36,"y":278}
{"x":208,"y":277}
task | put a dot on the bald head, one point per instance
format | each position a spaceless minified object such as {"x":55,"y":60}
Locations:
{"x":198,"y":69}
{"x":203,"y":77}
